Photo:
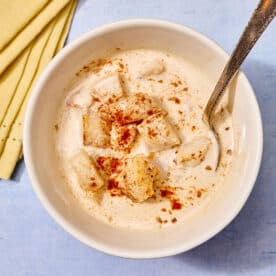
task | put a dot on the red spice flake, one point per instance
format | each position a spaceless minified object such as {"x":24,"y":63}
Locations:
{"x":125,"y":136}
{"x":112,"y":184}
{"x":114,"y":164}
{"x":229,"y":152}
{"x":150,"y":112}
{"x":173,"y":83}
{"x":143,"y":98}
{"x":198,"y":194}
{"x":121,"y":65}
{"x":166,"y":193}
{"x":56,"y":127}
{"x":193,"y":128}
{"x":164,"y":210}
{"x":96,"y":99}
{"x":174,"y":220}
{"x":100,"y":161}
{"x":208,"y":168}
{"x":227,"y":128}
{"x":151,"y":132}
{"x":126,"y":119}
{"x":118,"y":117}
{"x":160,"y":81}
{"x":174,"y":99}
{"x":108,"y":164}
{"x":159,"y":220}
{"x":176,"y":205}
{"x":85,"y":68}
{"x":110,"y":100}
{"x":92,"y":182}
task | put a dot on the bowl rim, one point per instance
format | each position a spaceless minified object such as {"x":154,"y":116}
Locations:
{"x":27,"y":144}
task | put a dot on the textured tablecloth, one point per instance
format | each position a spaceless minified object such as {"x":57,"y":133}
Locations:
{"x":31,"y":243}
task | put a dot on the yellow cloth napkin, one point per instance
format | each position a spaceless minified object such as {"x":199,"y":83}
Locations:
{"x":14,"y":17}
{"x":23,"y":38}
{"x":17,"y":82}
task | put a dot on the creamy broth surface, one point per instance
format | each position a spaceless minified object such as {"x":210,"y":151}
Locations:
{"x":181,"y":91}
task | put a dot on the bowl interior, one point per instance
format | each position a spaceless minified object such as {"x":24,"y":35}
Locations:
{"x":42,"y":162}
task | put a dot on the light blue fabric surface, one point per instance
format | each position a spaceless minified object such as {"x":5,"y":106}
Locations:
{"x":31,"y":243}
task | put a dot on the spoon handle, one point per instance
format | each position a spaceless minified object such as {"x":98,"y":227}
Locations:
{"x":260,"y":19}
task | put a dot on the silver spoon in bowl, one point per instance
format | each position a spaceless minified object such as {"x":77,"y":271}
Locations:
{"x":262,"y":16}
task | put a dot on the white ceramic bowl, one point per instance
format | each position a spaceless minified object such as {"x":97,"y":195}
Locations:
{"x":41,"y":160}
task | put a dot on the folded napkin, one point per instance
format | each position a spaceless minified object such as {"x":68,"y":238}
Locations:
{"x":15,"y":16}
{"x":27,"y":50}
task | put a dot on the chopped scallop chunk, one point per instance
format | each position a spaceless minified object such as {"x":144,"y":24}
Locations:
{"x":152,"y":67}
{"x":80,"y":97}
{"x":193,"y":153}
{"x":123,"y":137}
{"x":137,"y":178}
{"x":95,"y":131}
{"x":131,"y":109}
{"x":157,"y":133}
{"x":108,"y":87}
{"x":88,"y":176}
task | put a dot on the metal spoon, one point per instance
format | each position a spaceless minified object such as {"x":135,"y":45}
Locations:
{"x":262,"y":16}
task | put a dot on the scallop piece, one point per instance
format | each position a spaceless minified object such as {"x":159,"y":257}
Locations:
{"x":131,"y":109}
{"x":108,"y":87}
{"x":123,"y":137}
{"x":95,"y":130}
{"x":137,"y":178}
{"x":158,"y":133}
{"x":193,"y":153}
{"x":152,"y":67}
{"x":80,"y":97}
{"x":85,"y":169}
